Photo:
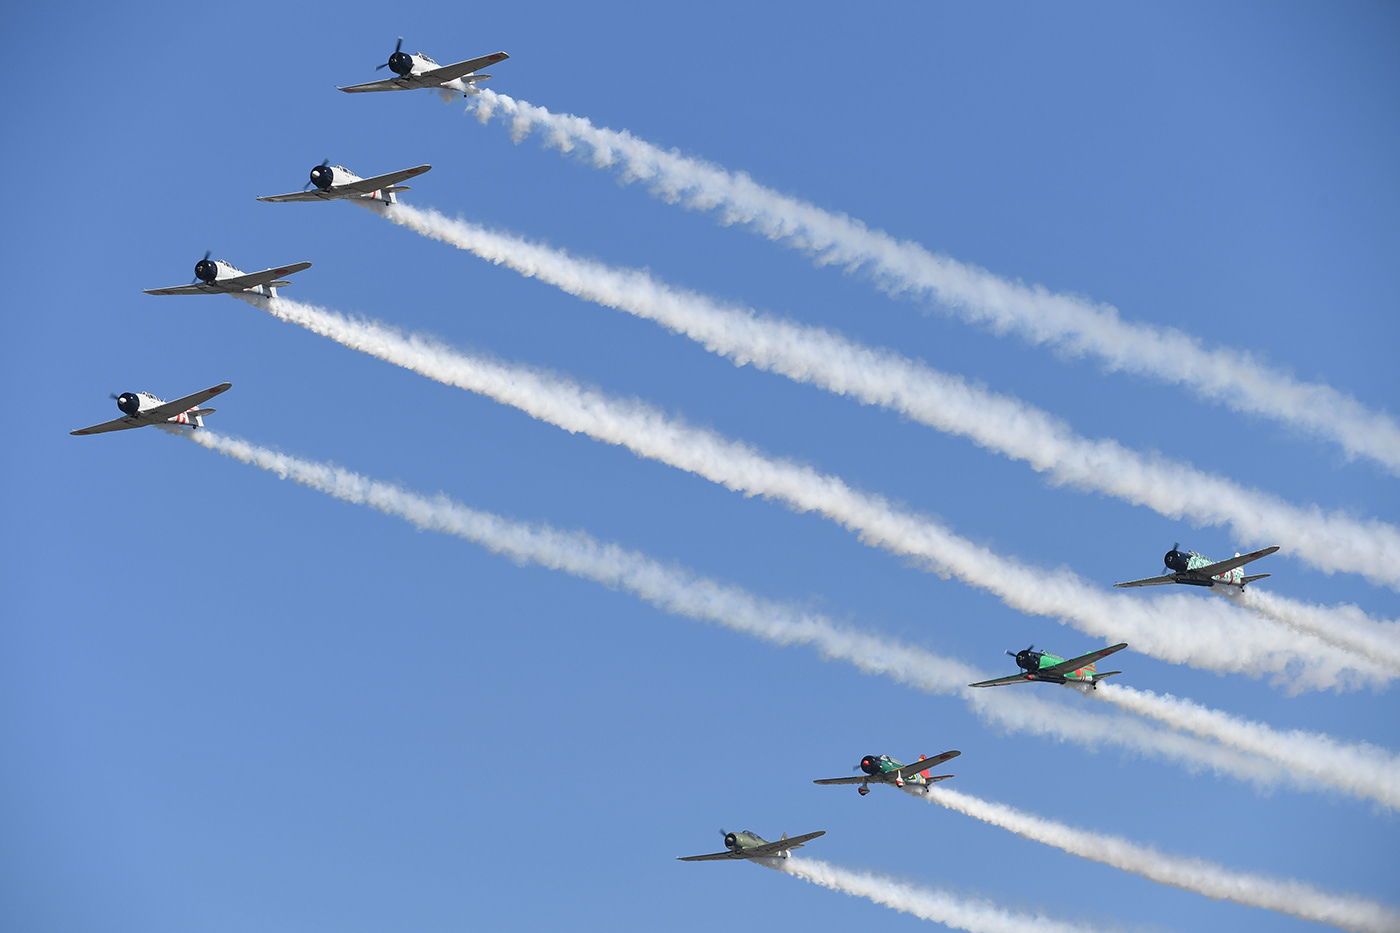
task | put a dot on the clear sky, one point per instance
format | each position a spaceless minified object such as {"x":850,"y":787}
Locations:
{"x":230,"y":703}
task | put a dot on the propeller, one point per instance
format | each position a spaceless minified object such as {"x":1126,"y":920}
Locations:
{"x":113,"y":396}
{"x":207,"y":254}
{"x":317,"y":173}
{"x":399,"y":63}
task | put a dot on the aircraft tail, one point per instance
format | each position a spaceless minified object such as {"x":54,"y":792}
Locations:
{"x":1099,"y":677}
{"x":1247,"y":580}
{"x":938,"y":777}
{"x":197,"y":416}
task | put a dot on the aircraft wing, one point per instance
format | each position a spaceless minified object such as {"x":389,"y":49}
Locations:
{"x":387,"y":84}
{"x":170,"y":409}
{"x":1084,"y":660}
{"x":121,"y":424}
{"x":1224,"y":566}
{"x":254,"y":279}
{"x":450,"y":72}
{"x":366,"y":185}
{"x":1002,"y":681}
{"x":925,"y":763}
{"x":769,"y":849}
{"x":844,"y":780}
{"x":198,"y":288}
{"x":316,"y":195}
{"x":1150,"y":581}
{"x":713,"y":856}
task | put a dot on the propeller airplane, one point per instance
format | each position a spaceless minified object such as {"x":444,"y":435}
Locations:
{"x":140,"y":409}
{"x":216,"y":277}
{"x":336,"y":182}
{"x":420,"y":71}
{"x":748,"y":845}
{"x":1042,"y":665}
{"x":1194,"y":569}
{"x":882,"y":769}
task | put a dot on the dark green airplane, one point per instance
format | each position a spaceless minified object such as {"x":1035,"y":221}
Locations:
{"x":1042,"y":665}
{"x":882,"y":769}
{"x":747,"y":845}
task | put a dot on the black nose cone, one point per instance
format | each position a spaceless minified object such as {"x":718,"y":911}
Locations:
{"x":206,"y":271}
{"x":322,"y":176}
{"x":401,"y":64}
{"x":1175,"y":560}
{"x":730,"y":841}
{"x":870,"y":764}
{"x":128,"y":403}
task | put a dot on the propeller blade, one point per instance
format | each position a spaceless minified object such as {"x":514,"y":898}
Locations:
{"x":114,"y":396}
{"x":397,"y":47}
{"x":1011,"y":654}
{"x":208,"y":253}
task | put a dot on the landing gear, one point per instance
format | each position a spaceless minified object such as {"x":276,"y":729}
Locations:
{"x":862,"y":790}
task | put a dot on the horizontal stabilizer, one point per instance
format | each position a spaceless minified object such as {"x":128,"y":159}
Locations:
{"x":1257,"y":576}
{"x":1099,"y":677}
{"x":201,"y":412}
{"x":939,"y":777}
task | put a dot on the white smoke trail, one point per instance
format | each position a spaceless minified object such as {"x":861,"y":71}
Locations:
{"x":1347,"y":626}
{"x":682,"y":592}
{"x":1179,"y":628}
{"x":1076,"y":326}
{"x":1296,"y":898}
{"x":1361,"y":769}
{"x":960,"y":913}
{"x":1006,"y":425}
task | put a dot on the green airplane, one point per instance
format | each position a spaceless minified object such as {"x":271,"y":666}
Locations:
{"x":748,"y":845}
{"x":1199,"y":570}
{"x":1042,"y":665}
{"x":882,"y":769}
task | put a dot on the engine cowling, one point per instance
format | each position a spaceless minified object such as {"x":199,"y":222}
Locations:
{"x":731,"y":842}
{"x":322,"y":176}
{"x":1175,"y":560}
{"x":206,"y":270}
{"x":129,"y":403}
{"x":870,"y":764}
{"x":401,"y":64}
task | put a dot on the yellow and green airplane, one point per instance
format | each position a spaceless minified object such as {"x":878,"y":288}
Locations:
{"x":1194,"y":569}
{"x":748,"y":845}
{"x":882,"y":769}
{"x":1042,"y":665}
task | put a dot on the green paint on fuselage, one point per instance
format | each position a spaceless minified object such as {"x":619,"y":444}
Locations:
{"x":1084,"y":673}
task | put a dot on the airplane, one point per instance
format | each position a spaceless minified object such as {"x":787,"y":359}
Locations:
{"x":336,"y":182}
{"x":747,"y":845}
{"x":1042,"y":665}
{"x":216,"y":277}
{"x":140,"y":409}
{"x":415,"y":71}
{"x":882,"y":769}
{"x":1198,"y":570}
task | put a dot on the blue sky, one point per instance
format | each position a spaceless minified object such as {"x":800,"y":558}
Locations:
{"x":228,"y":702}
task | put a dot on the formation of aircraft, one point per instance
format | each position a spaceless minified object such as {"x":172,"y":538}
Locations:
{"x":1051,"y":668}
{"x":1195,"y":569}
{"x":336,"y":182}
{"x":420,"y":71}
{"x":216,"y":277}
{"x":882,"y":769}
{"x":140,"y":409}
{"x":748,"y":845}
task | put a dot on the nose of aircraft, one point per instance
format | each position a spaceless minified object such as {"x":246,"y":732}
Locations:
{"x":1175,"y":560}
